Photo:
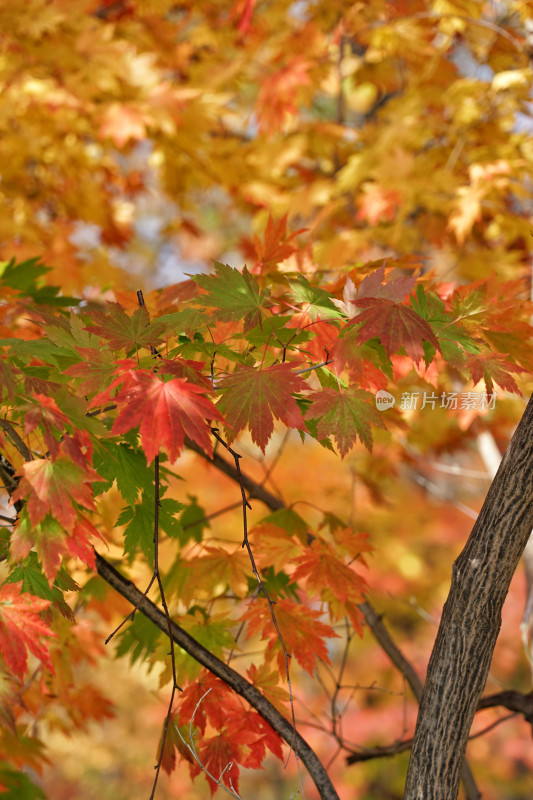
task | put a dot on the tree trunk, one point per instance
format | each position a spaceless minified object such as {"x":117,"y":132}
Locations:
{"x":470,"y":623}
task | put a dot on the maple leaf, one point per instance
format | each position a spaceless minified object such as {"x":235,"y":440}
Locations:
{"x":219,"y":756}
{"x":395,"y":325}
{"x":22,"y":628}
{"x":243,"y":736}
{"x":277,"y":96}
{"x":317,"y":303}
{"x":266,"y":678}
{"x":46,"y":414}
{"x":175,"y":734}
{"x":345,"y":415}
{"x":378,"y":204}
{"x":235,"y":295}
{"x":53,"y":487}
{"x":208,"y":700}
{"x":121,"y":331}
{"x":347,"y":304}
{"x":52,"y":542}
{"x":302,"y":632}
{"x":360,"y":360}
{"x":273,"y":546}
{"x":372,"y":286}
{"x":164,"y":412}
{"x":216,"y":570}
{"x":327,"y":577}
{"x":184,"y":368}
{"x":122,"y":123}
{"x":275,"y":247}
{"x":493,"y":368}
{"x":254,"y":397}
{"x":95,"y":369}
{"x":260,"y":737}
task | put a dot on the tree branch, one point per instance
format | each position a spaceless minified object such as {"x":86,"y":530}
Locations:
{"x":232,"y":678}
{"x":515,"y":701}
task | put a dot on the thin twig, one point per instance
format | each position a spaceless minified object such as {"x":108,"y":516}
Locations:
{"x":271,"y":603}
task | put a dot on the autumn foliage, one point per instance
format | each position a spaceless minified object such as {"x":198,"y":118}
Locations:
{"x":229,"y":229}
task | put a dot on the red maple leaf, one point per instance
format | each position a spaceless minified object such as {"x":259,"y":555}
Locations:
{"x":254,"y":397}
{"x":346,"y":352}
{"x":395,"y":325}
{"x":22,"y":628}
{"x":174,"y":744}
{"x":53,"y":487}
{"x":220,"y":755}
{"x":243,"y":736}
{"x":208,"y":700}
{"x":46,"y":414}
{"x":52,"y":542}
{"x":164,"y":412}
{"x":375,"y":284}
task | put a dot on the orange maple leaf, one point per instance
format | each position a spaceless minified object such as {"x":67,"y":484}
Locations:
{"x":302,"y":632}
{"x":122,"y":123}
{"x":275,"y":246}
{"x":336,"y":583}
{"x":493,"y":368}
{"x":22,"y":628}
{"x":378,"y":204}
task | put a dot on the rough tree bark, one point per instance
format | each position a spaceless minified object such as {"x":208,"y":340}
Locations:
{"x":470,"y":623}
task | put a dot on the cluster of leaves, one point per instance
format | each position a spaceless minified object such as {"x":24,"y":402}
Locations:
{"x":91,"y":395}
{"x":335,"y":116}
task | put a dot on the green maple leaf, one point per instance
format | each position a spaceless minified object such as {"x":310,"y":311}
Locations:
{"x":453,"y":339}
{"x":345,"y":415}
{"x":139,"y":519}
{"x":235,"y":295}
{"x":121,"y":331}
{"x":126,"y":466}
{"x":315,"y":301}
{"x":139,"y":641}
{"x":35,"y":582}
{"x":23,"y":276}
{"x":18,"y":785}
{"x":193,"y":521}
{"x":254,"y":397}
